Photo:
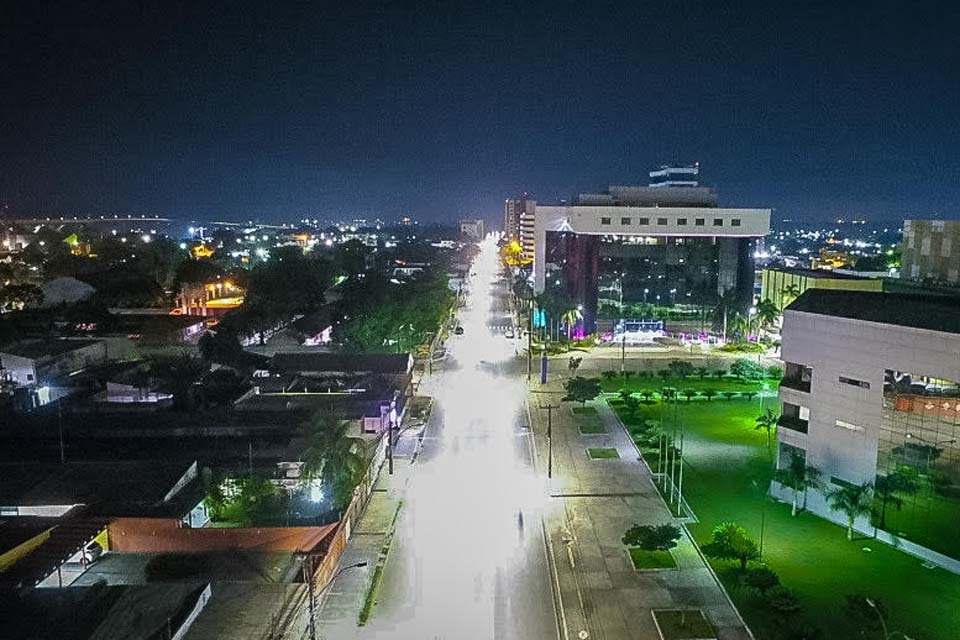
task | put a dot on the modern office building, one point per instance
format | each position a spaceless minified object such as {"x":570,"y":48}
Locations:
{"x":931,"y":251}
{"x":513,"y":209}
{"x":661,"y":244}
{"x":872,"y":391}
{"x":782,"y":286}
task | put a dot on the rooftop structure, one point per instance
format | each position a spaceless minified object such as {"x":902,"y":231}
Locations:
{"x":781,"y":286}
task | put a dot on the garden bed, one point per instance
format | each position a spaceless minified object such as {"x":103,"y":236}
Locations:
{"x":643,"y":559}
{"x":603,"y":453}
{"x":677,"y":624}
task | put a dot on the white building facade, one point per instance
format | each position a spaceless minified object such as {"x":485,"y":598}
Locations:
{"x":871,"y":389}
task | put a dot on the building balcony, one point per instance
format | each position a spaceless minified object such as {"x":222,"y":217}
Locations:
{"x":793,"y":423}
{"x":796,"y":383}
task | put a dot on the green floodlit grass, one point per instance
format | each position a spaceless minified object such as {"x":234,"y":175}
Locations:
{"x":602,"y":453}
{"x":727,"y":469}
{"x":591,"y":427}
{"x":683,"y":625}
{"x":643,"y":559}
{"x":585,"y":411}
{"x":634,"y":384}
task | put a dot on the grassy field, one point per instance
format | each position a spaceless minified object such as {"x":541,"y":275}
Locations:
{"x":643,"y":559}
{"x":727,"y":470}
{"x":584,"y":411}
{"x":592,"y":428}
{"x":679,"y":625}
{"x":634,"y":384}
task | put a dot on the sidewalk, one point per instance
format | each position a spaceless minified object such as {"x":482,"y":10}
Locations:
{"x":339,"y":606}
{"x":601,"y":593}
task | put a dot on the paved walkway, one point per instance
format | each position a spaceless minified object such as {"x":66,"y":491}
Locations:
{"x":601,"y":592}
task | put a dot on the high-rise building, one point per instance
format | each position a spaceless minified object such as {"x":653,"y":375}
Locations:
{"x":513,"y":210}
{"x":527,"y":233}
{"x":931,"y":251}
{"x":871,"y":393}
{"x":653,"y":244}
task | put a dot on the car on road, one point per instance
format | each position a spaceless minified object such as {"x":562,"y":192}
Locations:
{"x":509,"y":335}
{"x":458,"y":331}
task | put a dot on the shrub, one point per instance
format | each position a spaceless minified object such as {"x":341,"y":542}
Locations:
{"x":609,"y":375}
{"x":660,"y":537}
{"x":761,"y":578}
{"x":782,"y":600}
{"x":774,"y":372}
{"x":731,"y":542}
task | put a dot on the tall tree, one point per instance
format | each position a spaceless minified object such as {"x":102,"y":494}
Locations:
{"x":767,"y":313}
{"x":798,"y":476}
{"x":889,"y":488}
{"x":580,"y":389}
{"x":333,"y":457}
{"x":570,"y":318}
{"x":853,"y":500}
{"x":768,"y":422}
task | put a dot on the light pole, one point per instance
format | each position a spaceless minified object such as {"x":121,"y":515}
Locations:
{"x":308,"y":577}
{"x":883,"y":623}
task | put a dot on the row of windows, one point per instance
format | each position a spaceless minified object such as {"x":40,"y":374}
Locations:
{"x":681,"y":222}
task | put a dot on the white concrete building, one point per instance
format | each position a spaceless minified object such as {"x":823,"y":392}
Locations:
{"x":871,"y":390}
{"x":472,"y":229}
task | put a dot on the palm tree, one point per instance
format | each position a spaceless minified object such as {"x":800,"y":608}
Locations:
{"x":888,"y":489}
{"x":853,"y":500}
{"x":798,"y":476}
{"x":767,"y":313}
{"x":690,"y":394}
{"x":702,"y":372}
{"x":570,"y":317}
{"x":709,"y":394}
{"x":334,"y":457}
{"x":647,"y":394}
{"x":729,"y":395}
{"x":788,"y":295}
{"x":767,"y":421}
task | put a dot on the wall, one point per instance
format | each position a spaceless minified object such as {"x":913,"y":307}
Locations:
{"x":163,"y":535}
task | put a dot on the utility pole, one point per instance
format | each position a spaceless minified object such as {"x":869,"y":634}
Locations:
{"x":390,"y":449}
{"x":623,"y":354}
{"x":308,"y":578}
{"x":63,"y":453}
{"x":550,"y":408}
{"x":530,"y":341}
{"x":680,"y":482}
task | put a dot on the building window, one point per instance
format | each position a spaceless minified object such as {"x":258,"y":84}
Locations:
{"x":718,"y":222}
{"x":661,"y":221}
{"x":681,"y":222}
{"x":863,"y":384}
{"x":700,"y":222}
{"x":735,"y":222}
{"x":643,"y":221}
{"x":29,"y":377}
{"x":843,"y":424}
{"x":604,"y":220}
{"x":624,"y":220}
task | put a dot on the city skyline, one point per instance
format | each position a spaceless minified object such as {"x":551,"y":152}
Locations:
{"x":441,"y":113}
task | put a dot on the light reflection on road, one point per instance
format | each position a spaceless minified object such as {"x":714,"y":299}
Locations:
{"x":463,"y":564}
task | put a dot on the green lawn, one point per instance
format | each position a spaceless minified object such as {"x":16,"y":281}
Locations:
{"x":683,"y":625}
{"x":635,"y":384}
{"x":592,"y":428}
{"x":602,"y":453}
{"x":727,"y":469}
{"x":585,"y":411}
{"x":643,"y":559}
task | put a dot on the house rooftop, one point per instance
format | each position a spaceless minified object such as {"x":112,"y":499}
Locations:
{"x":929,"y":312}
{"x":321,"y":362}
{"x":125,"y":488}
{"x":818,"y":274}
{"x":35,"y":349}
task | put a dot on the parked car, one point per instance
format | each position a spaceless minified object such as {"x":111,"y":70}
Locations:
{"x":458,"y":331}
{"x":509,"y":334}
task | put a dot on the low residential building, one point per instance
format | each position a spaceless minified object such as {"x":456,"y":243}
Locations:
{"x":781,"y":286}
{"x":872,"y":390}
{"x":32,"y":363}
{"x":931,"y":251}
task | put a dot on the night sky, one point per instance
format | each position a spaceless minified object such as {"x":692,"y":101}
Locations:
{"x":277,"y":111}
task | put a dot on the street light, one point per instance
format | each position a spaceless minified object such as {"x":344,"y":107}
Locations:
{"x":883,"y":623}
{"x":308,"y":576}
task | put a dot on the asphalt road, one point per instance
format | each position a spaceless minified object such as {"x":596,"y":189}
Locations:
{"x":468,"y":558}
